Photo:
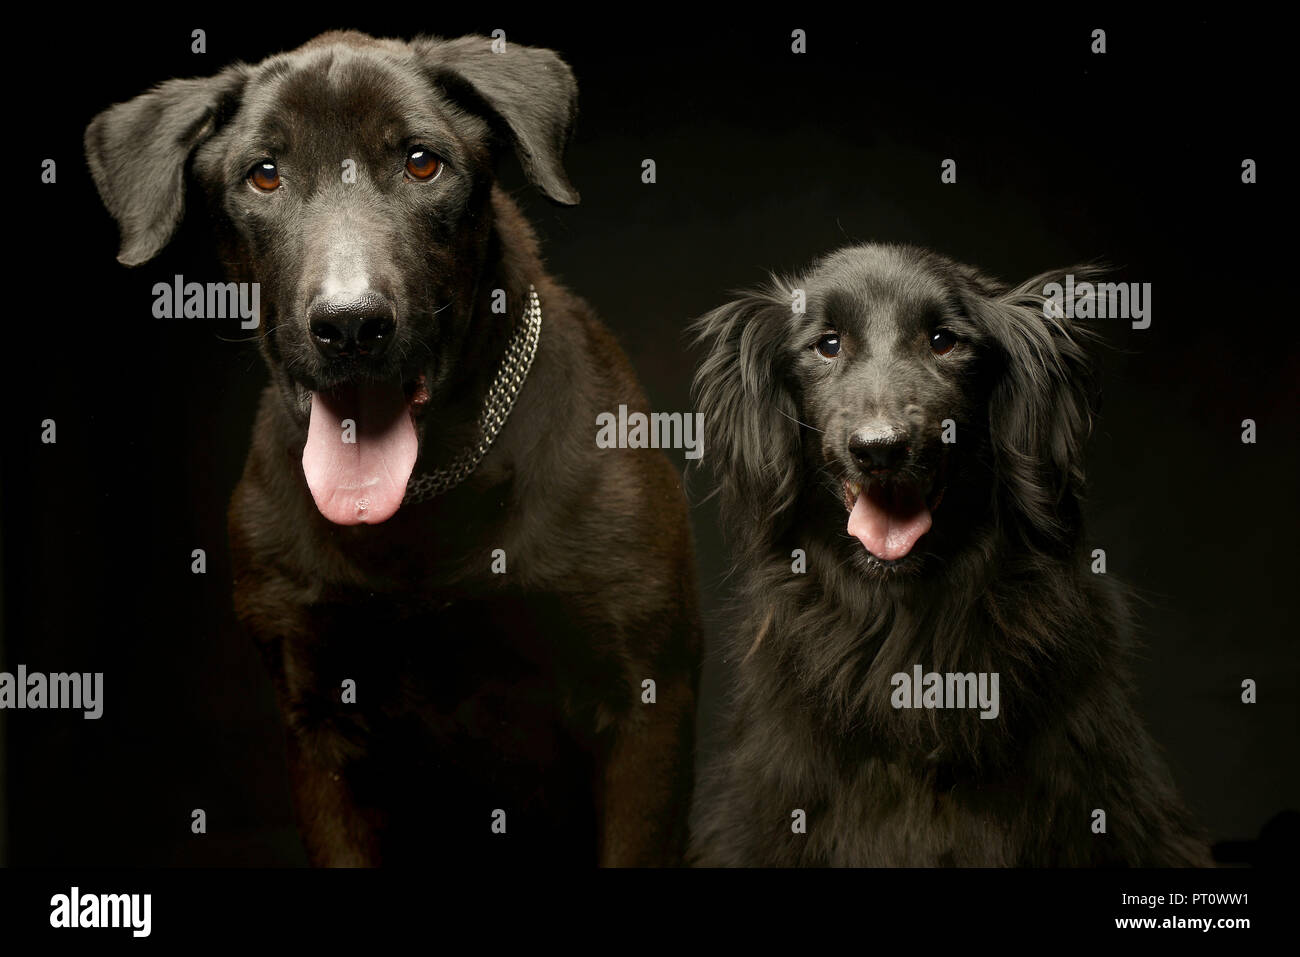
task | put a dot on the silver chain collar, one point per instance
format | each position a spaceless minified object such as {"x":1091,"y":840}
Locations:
{"x":501,"y":396}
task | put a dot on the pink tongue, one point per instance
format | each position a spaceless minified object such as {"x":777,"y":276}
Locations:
{"x":362,"y":481}
{"x":889,"y":521}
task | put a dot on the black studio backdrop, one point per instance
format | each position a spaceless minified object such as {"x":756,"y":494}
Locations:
{"x":765,"y":160}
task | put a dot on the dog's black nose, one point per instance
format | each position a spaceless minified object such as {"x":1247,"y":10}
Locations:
{"x":882,"y":454}
{"x":343,"y":328}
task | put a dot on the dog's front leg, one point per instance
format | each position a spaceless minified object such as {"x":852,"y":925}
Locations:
{"x":336,"y":831}
{"x":321,"y":747}
{"x":324,"y":746}
{"x":647,"y":771}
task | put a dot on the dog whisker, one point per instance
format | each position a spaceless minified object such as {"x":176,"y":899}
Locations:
{"x":804,"y":424}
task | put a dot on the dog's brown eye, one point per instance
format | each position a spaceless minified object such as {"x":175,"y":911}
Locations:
{"x":828,"y":346}
{"x":265,"y":176}
{"x":942,"y":342}
{"x":421,"y":164}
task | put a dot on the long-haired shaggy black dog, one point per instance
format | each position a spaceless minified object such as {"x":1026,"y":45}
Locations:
{"x":899,"y":441}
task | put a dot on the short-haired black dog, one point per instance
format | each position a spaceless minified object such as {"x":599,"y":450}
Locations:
{"x":928,"y":671}
{"x":460,"y":598}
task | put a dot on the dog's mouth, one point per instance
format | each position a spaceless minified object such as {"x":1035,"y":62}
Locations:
{"x":361,"y":448}
{"x":889,"y":516}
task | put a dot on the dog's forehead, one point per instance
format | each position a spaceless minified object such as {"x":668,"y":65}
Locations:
{"x":377,"y":92}
{"x":873,"y":285}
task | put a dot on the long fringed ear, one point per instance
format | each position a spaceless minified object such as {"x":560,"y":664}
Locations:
{"x":1040,"y":411}
{"x":529,"y":89}
{"x":137,"y":153}
{"x":749,"y":414}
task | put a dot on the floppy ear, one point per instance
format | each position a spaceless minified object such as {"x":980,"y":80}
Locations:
{"x":1040,"y":411}
{"x":137,"y":153}
{"x":750,"y":415}
{"x":531,"y":90}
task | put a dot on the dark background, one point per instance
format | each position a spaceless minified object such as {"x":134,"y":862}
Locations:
{"x":765,"y":160}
